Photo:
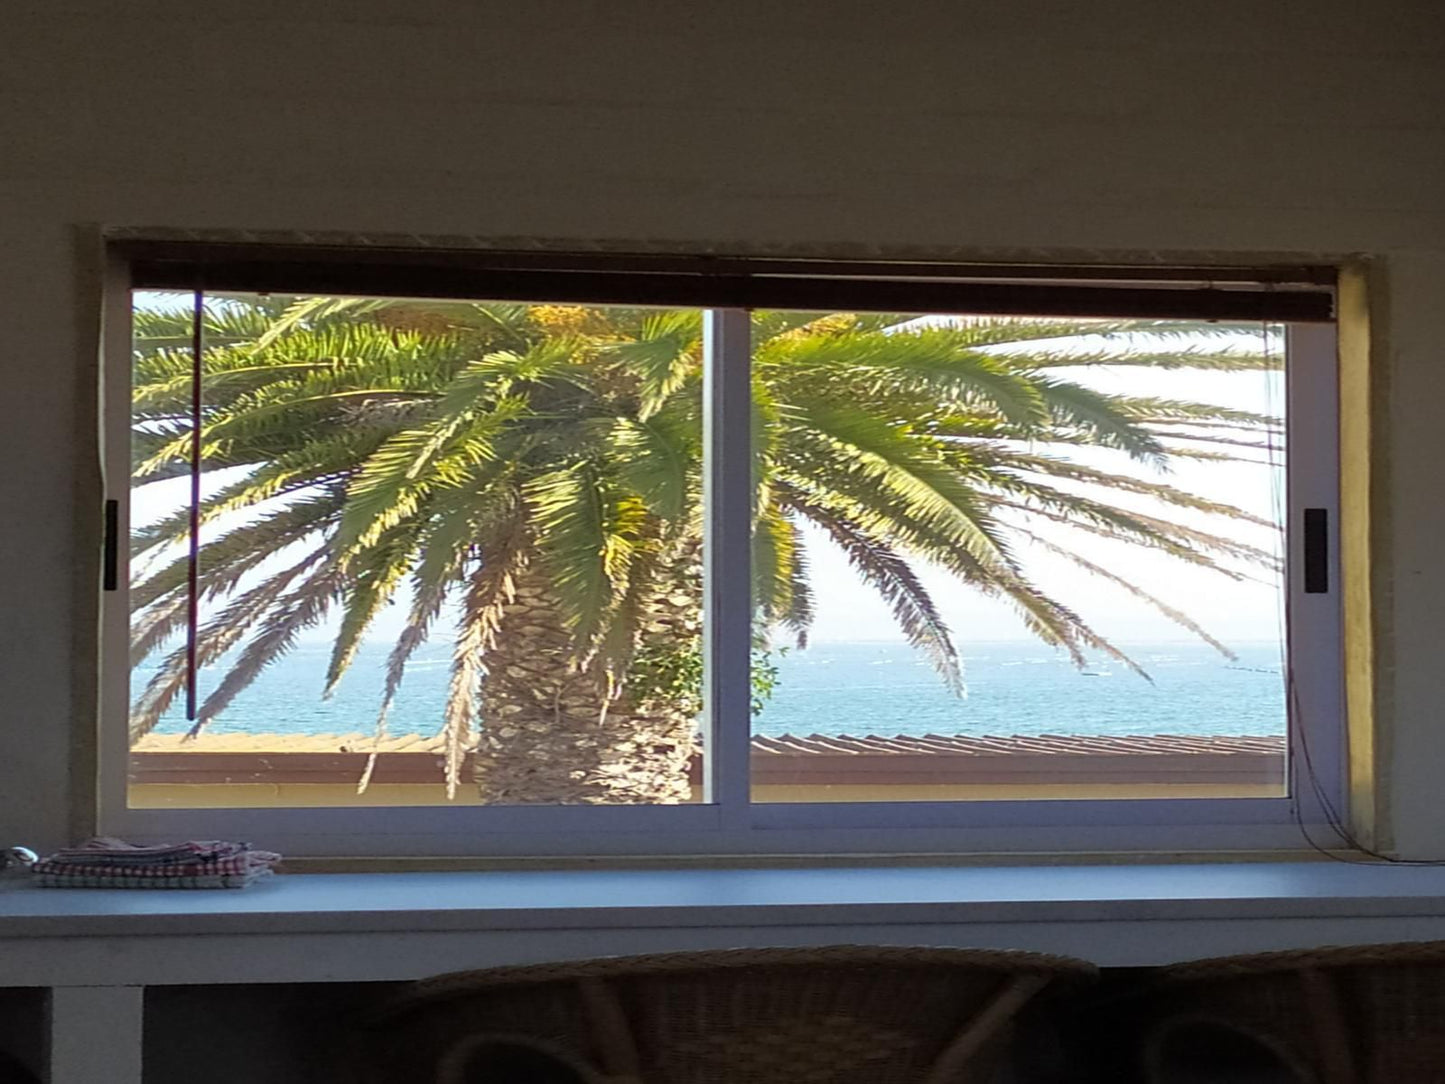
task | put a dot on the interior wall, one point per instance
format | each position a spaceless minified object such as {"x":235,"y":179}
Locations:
{"x":1235,"y":127}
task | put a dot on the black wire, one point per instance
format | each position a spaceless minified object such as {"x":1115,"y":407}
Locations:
{"x":193,"y":562}
{"x":1358,"y":852}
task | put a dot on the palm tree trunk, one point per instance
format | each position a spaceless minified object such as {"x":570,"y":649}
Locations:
{"x":550,"y":735}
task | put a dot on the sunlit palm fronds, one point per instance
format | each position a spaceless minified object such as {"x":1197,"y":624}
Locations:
{"x":439,"y":449}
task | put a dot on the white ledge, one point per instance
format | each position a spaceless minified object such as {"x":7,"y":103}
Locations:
{"x":358,"y":927}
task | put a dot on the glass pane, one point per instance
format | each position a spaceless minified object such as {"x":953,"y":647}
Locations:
{"x":1000,"y":558}
{"x":461,"y":536}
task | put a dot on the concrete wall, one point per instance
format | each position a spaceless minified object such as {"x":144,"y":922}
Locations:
{"x":1239,"y":126}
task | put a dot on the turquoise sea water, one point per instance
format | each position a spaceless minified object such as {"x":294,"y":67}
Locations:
{"x":844,"y":688}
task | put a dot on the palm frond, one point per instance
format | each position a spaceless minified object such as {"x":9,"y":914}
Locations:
{"x":665,"y":355}
{"x":310,"y":467}
{"x":770,"y":323}
{"x":906,"y":468}
{"x":1186,"y":544}
{"x":658,"y":460}
{"x":1122,"y":483}
{"x":798,"y":617}
{"x":308,"y":310}
{"x":217,"y":637}
{"x":372,"y":580}
{"x":492,"y":586}
{"x":888,"y":573}
{"x":226,"y":559}
{"x":151,"y":628}
{"x":775,"y":551}
{"x":444,"y":549}
{"x":617,"y":646}
{"x":928,"y":362}
{"x":588,"y":533}
{"x":300,"y":608}
{"x":392,"y":484}
{"x":1109,"y":420}
{"x":1173,"y":613}
{"x":223,"y":322}
{"x":1010,"y":330}
{"x":450,"y":443}
{"x":1193,"y":357}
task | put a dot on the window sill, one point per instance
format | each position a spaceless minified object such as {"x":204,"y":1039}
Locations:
{"x":397,"y":926}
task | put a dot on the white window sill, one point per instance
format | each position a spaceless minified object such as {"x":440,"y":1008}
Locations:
{"x":96,"y":950}
{"x":396,"y":926}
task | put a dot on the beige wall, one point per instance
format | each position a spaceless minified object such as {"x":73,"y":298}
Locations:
{"x":1233,"y":126}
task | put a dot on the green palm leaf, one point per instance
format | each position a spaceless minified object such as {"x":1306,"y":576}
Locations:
{"x":888,"y":572}
{"x":491,"y":586}
{"x":455,"y":445}
{"x":300,"y":608}
{"x":658,"y":459}
{"x":933,"y":363}
{"x":217,"y":637}
{"x":587,"y":536}
{"x":665,"y":356}
{"x":905,"y":467}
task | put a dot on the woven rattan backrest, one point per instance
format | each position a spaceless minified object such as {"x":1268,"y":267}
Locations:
{"x":832,"y":1015}
{"x":1367,"y":1014}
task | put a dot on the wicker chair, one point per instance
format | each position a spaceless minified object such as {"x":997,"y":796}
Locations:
{"x":831,"y":1015}
{"x":1372,"y":1014}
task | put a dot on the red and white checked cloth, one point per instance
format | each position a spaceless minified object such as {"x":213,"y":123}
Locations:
{"x":113,"y":863}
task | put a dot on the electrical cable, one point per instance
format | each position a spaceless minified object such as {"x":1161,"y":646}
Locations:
{"x":1302,"y":767}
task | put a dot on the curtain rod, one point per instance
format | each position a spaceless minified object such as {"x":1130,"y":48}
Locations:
{"x":1289,"y":293}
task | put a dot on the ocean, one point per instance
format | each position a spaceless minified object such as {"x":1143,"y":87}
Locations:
{"x":880,"y":688}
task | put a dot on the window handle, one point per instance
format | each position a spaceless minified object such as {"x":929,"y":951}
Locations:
{"x":110,"y":561}
{"x":1317,"y":551}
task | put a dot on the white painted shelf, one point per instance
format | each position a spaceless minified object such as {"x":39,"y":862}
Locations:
{"x":1114,"y":915}
{"x":97,"y":950}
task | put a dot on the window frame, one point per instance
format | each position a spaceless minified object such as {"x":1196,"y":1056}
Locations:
{"x":727,"y":822}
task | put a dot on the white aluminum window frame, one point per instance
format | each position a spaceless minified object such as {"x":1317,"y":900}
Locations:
{"x":727,"y":822}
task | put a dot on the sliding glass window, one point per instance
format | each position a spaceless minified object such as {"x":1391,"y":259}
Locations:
{"x":528,"y":557}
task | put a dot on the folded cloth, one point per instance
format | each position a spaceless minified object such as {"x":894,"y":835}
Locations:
{"x":106,"y":850}
{"x":105,"y":862}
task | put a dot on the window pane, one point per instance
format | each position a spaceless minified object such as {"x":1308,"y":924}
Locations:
{"x":463,"y":536}
{"x":1002,"y":558}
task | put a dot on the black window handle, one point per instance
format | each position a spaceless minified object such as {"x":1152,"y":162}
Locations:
{"x":1317,"y":551}
{"x":110,"y":563}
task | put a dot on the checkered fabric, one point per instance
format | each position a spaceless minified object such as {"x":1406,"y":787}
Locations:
{"x":113,"y":863}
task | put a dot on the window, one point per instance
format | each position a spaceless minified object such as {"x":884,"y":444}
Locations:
{"x":498,"y":553}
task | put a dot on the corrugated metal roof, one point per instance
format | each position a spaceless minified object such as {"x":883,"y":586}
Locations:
{"x":1005,"y":745}
{"x":785,"y":745}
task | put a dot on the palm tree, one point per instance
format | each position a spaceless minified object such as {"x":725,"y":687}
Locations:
{"x":537,"y":469}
